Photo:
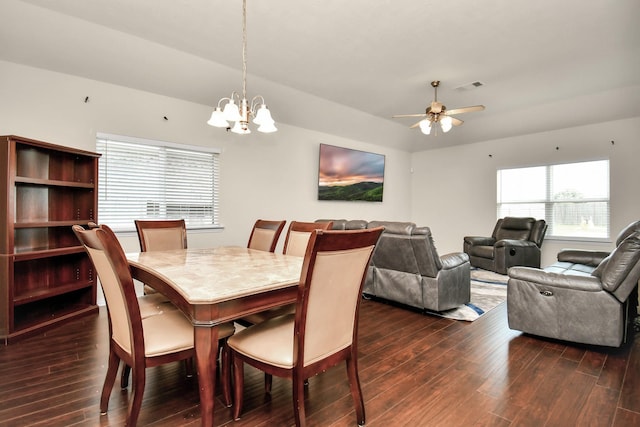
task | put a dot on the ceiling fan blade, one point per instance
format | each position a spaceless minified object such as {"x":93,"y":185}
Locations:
{"x":464,"y":110}
{"x":456,"y":122}
{"x":399,"y":116}
{"x":415,"y":125}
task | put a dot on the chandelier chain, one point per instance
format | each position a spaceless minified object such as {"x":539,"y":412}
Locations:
{"x":244,"y":49}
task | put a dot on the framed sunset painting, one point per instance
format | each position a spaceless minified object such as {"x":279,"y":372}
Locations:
{"x":352,"y":175}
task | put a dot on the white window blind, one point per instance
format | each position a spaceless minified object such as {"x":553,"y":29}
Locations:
{"x":573,"y":198}
{"x":142,"y":179}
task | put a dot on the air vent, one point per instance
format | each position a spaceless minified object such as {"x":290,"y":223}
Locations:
{"x":470,"y":86}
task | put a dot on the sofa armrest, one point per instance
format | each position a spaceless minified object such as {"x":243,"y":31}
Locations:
{"x":479,"y":241}
{"x":582,"y":256}
{"x":555,"y":280}
{"x":453,"y":260}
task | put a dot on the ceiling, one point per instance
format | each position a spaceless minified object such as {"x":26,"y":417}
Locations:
{"x":345,"y":67}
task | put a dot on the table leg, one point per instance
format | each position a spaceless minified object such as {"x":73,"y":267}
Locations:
{"x":206,"y":346}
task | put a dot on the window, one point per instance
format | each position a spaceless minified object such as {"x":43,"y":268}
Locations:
{"x":573,"y":198}
{"x":142,"y":179}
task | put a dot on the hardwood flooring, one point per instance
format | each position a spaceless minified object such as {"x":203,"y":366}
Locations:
{"x":415,"y":370}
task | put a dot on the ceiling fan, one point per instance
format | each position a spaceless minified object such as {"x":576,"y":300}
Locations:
{"x":438,"y":113}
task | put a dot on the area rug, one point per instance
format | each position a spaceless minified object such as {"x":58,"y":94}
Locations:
{"x":488,"y":290}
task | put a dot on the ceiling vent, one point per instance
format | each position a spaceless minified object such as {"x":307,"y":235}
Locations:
{"x":470,"y":86}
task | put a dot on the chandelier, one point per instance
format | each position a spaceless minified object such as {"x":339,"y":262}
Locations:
{"x":240,"y":110}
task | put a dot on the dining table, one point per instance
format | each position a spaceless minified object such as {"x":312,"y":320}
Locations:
{"x":213,"y":286}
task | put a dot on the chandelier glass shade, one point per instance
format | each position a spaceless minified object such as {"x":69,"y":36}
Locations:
{"x":237,"y":109}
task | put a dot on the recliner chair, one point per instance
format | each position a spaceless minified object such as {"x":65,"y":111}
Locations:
{"x":514,"y":241}
{"x":582,"y":297}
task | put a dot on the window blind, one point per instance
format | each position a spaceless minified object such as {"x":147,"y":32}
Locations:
{"x":573,"y":198}
{"x":142,"y":179}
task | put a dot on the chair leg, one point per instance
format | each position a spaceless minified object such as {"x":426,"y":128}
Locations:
{"x":356,"y":391}
{"x":298,"y":400}
{"x":268,"y":381}
{"x":124,"y":378}
{"x":139,"y":379}
{"x":189,"y":367}
{"x":109,"y":380}
{"x":225,"y":375}
{"x":238,"y":385}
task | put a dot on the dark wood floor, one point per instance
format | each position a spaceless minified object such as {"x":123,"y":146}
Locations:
{"x":415,"y":369}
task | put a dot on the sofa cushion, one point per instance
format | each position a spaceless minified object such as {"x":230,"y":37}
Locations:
{"x":481,"y":251}
{"x":570,"y":268}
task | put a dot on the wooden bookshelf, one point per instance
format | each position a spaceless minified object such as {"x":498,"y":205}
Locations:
{"x":46,"y":278}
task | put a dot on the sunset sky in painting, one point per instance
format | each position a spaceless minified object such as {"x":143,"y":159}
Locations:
{"x":342,"y":166}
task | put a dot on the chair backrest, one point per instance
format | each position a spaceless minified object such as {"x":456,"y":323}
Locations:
{"x":329,"y":292}
{"x":161,"y":235}
{"x":520,"y":228}
{"x":343,"y":224}
{"x":627,"y":231}
{"x":112,"y":267}
{"x":620,"y":271}
{"x":264,"y":235}
{"x":298,"y":236}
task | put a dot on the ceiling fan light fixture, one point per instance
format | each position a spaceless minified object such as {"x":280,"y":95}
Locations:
{"x":436,"y":112}
{"x":446,"y":123}
{"x":425,"y":126}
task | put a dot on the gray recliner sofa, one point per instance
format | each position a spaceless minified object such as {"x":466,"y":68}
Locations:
{"x":586,"y":297}
{"x":407,"y":269}
{"x":514,"y":241}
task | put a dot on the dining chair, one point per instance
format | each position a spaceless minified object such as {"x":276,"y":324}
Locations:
{"x":137,"y":342}
{"x":264,"y":235}
{"x":163,"y":235}
{"x":150,"y":304}
{"x":298,"y":236}
{"x":323,"y":331}
{"x":295,"y":244}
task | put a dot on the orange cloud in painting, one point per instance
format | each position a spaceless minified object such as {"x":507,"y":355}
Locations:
{"x":342,"y":166}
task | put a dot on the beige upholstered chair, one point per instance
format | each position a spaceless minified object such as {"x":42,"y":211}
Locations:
{"x":264,"y":235}
{"x":323,"y":331}
{"x":139,"y":343}
{"x":298,"y":236}
{"x":295,"y":244}
{"x":166,"y":235}
{"x":161,"y":235}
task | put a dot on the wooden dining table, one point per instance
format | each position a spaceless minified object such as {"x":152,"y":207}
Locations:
{"x":213,"y":286}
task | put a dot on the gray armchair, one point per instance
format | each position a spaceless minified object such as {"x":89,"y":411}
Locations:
{"x":514,"y":241}
{"x":585,"y":297}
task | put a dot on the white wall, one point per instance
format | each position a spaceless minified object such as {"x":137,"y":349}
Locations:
{"x":454,"y":189}
{"x":451,"y":190}
{"x":270,"y":176}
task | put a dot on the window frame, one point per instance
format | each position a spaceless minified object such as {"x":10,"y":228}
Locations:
{"x":118,"y":226}
{"x":549,"y":202}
